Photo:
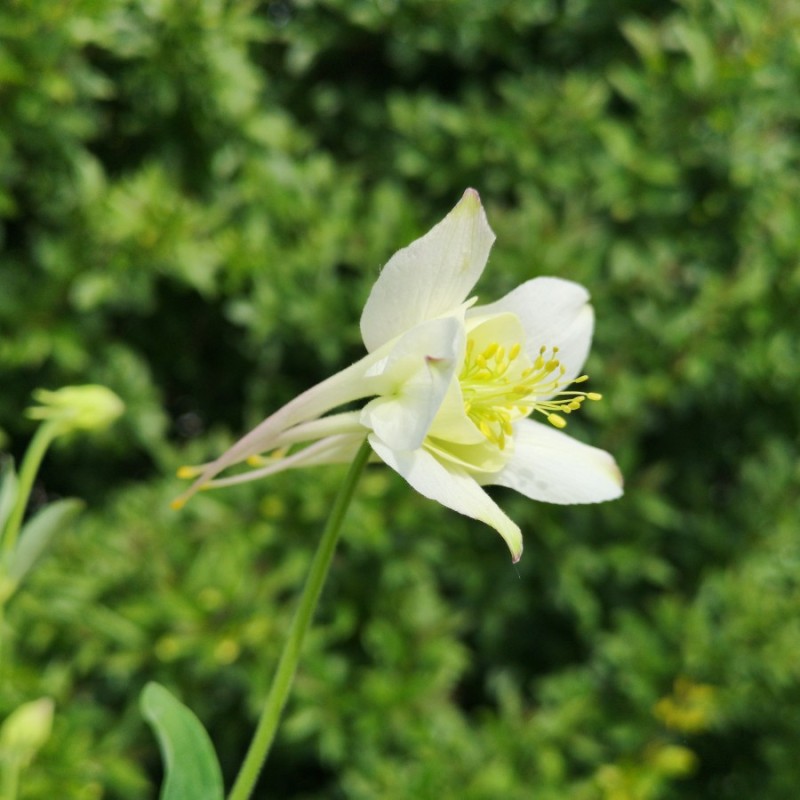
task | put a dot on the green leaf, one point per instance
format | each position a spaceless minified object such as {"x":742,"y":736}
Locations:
{"x":36,"y":535}
{"x":192,"y":769}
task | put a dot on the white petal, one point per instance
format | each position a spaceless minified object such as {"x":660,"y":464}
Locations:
{"x":452,"y":487}
{"x":430,"y":277}
{"x":550,"y":466}
{"x":352,"y":383}
{"x":346,"y":422}
{"x":339,"y":449}
{"x":554,"y":313}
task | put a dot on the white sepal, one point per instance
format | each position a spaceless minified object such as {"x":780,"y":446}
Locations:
{"x":550,"y":466}
{"x":430,"y":277}
{"x":452,"y":487}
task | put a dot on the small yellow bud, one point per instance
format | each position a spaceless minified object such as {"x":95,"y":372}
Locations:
{"x":556,"y":421}
{"x":25,"y":731}
{"x":88,"y":407}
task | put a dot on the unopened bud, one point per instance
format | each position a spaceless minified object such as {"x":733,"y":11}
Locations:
{"x":89,"y":407}
{"x":25,"y":731}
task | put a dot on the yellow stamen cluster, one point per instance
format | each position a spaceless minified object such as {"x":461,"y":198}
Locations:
{"x":496,"y":392}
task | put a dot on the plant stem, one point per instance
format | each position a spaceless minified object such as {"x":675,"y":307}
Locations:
{"x":44,"y":435}
{"x":287,"y":666}
{"x":10,"y":781}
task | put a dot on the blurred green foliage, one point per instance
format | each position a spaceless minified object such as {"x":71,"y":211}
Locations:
{"x":195,"y":197}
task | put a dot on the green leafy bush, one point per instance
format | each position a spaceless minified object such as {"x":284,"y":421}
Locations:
{"x":195,"y":198}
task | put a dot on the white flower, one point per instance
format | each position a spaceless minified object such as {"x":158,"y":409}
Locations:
{"x":452,"y":387}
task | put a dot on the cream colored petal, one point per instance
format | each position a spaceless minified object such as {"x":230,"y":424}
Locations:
{"x":352,"y":383}
{"x":346,"y":422}
{"x":430,"y":277}
{"x":554,"y":313}
{"x":452,"y":487}
{"x":551,"y":466}
{"x":451,"y":423}
{"x":339,"y":449}
{"x":334,"y":424}
{"x":481,"y":458}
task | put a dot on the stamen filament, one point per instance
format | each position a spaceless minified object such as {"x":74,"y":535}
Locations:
{"x":492,"y":390}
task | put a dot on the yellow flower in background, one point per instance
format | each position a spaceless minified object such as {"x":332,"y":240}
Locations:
{"x":453,"y":388}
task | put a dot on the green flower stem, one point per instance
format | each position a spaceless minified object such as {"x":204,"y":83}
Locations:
{"x":287,"y":666}
{"x":31,"y":462}
{"x":42,"y":439}
{"x":10,"y":781}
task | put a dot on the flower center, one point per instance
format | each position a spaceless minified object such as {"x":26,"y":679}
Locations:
{"x":500,"y":386}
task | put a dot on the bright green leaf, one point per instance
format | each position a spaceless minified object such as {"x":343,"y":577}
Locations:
{"x":37,"y":534}
{"x":192,"y":769}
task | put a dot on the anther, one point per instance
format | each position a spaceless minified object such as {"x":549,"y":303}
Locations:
{"x":494,"y":399}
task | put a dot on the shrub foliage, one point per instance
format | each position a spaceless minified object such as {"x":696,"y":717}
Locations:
{"x":195,"y":197}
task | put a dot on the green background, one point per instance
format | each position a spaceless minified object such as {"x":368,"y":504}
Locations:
{"x":195,"y":198}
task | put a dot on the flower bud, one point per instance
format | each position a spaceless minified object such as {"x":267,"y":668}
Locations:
{"x":25,"y":731}
{"x":89,"y":407}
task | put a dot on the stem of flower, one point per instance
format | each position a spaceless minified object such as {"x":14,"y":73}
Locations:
{"x":44,"y":435}
{"x":10,"y":780}
{"x":287,"y":666}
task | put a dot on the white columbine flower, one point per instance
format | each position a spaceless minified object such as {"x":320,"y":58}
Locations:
{"x":454,"y":387}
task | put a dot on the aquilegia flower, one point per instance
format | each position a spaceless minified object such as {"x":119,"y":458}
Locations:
{"x":454,"y":388}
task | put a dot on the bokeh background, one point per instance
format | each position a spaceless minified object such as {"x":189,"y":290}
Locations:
{"x":195,"y":198}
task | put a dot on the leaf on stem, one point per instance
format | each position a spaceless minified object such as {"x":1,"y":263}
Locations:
{"x":37,"y":534}
{"x":192,"y":769}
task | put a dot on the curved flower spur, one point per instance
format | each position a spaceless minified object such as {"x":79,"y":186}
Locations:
{"x":453,"y":389}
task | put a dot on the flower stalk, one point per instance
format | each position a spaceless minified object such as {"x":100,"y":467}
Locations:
{"x":41,"y":441}
{"x":287,"y":666}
